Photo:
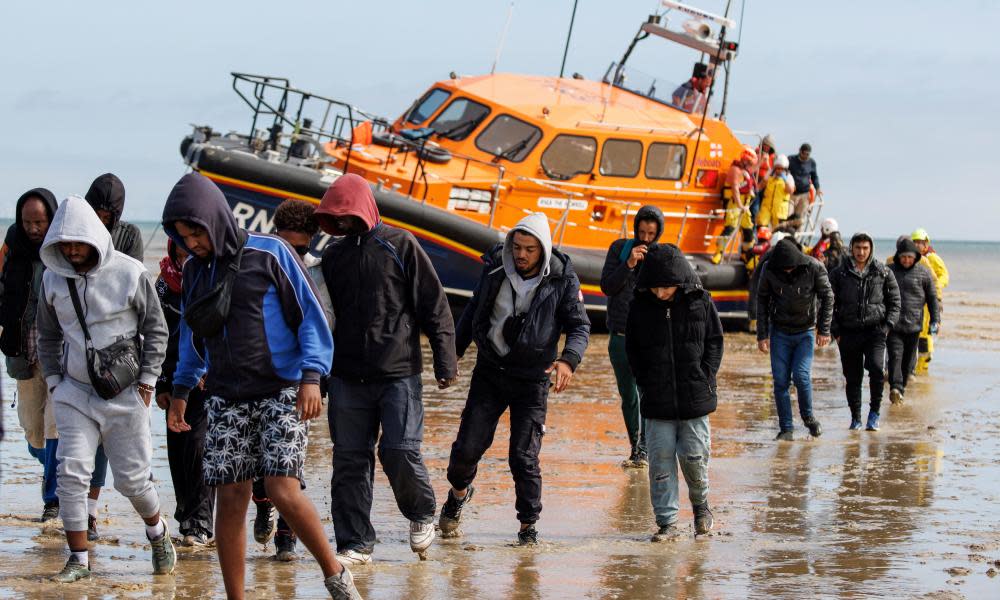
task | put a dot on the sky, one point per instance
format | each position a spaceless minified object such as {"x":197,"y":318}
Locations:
{"x":897,"y":98}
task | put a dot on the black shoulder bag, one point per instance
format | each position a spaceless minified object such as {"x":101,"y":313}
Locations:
{"x":111,"y":369}
{"x":206,"y":315}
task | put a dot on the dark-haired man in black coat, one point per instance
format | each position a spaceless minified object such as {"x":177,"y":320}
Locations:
{"x":674,"y":345}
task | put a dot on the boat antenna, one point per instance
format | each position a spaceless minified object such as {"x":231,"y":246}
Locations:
{"x":569,"y":34}
{"x":704,"y":113}
{"x":503,"y":36}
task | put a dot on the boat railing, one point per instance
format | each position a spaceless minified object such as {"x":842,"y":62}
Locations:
{"x":274,"y":99}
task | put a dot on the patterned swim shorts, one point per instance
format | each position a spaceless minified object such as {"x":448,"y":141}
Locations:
{"x":260,"y":438}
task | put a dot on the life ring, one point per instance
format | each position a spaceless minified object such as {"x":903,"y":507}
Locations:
{"x":434,"y":154}
{"x":388,"y":139}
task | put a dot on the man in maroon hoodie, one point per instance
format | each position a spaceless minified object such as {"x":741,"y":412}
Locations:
{"x":384,"y":293}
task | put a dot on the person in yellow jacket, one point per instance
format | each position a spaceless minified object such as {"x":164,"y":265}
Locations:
{"x":774,"y":202}
{"x":737,"y":195}
{"x":936,"y":263}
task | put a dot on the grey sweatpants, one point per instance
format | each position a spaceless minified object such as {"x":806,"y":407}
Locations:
{"x":85,"y":420}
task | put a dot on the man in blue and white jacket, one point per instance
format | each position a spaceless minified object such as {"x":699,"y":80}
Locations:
{"x":263,"y":371}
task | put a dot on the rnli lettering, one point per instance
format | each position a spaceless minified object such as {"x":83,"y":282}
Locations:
{"x":252,"y":218}
{"x":711,"y":163}
{"x":560,"y":203}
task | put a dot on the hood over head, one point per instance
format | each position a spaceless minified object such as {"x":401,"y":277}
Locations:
{"x":196,"y":198}
{"x":17,"y":240}
{"x":350,"y":195}
{"x":75,"y":221}
{"x":648,"y":213}
{"x":860,"y":237}
{"x":666,"y":266}
{"x":787,"y":254}
{"x":904,"y":245}
{"x":107,"y":192}
{"x":537,"y":225}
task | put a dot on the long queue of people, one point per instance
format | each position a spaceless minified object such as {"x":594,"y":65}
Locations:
{"x":242,"y":335}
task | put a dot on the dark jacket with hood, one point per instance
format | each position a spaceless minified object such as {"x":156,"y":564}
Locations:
{"x":916,"y":288}
{"x":556,"y":307}
{"x":276,"y":334}
{"x":787,"y":300}
{"x":617,"y":279}
{"x":20,"y":281}
{"x":384,"y":293}
{"x":674,"y":347}
{"x":863,"y":300}
{"x":107,"y":192}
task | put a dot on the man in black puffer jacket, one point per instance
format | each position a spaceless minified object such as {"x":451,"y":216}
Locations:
{"x":916,"y":289}
{"x":865,"y":308}
{"x":527,"y":298}
{"x":674,"y":344}
{"x":621,"y":269}
{"x":791,"y":283}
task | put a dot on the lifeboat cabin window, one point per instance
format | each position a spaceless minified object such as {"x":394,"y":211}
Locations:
{"x":665,"y":161}
{"x":509,"y":138}
{"x":459,"y":119}
{"x":427,"y":106}
{"x":569,"y":155}
{"x":621,"y":158}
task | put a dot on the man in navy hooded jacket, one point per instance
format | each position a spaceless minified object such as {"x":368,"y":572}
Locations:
{"x":263,"y":370}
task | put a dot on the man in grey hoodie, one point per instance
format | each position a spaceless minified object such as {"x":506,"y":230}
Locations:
{"x":119,"y":302}
{"x":527,"y":298}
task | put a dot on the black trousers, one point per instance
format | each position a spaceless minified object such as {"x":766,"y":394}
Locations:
{"x":357,"y":412}
{"x":862,"y":351}
{"x":491,"y":392}
{"x":902,"y":350}
{"x":185,"y":451}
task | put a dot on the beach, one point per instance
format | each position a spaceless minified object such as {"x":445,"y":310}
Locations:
{"x":909,"y":511}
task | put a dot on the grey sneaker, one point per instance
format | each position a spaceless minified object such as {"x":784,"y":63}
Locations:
{"x":265,"y":522}
{"x":421,"y":536}
{"x":896,"y":396}
{"x":341,"y":587}
{"x":451,"y":513}
{"x":666,"y":533}
{"x":73,"y":571}
{"x":354,"y":557}
{"x":164,"y":557}
{"x":50,"y":511}
{"x":784,"y":436}
{"x":703,"y":520}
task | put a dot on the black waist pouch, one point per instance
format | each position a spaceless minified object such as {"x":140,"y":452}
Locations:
{"x":207,"y":314}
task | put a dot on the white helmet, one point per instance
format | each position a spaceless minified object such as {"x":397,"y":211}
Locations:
{"x":781,"y":162}
{"x":828,"y":226}
{"x":777,"y":237}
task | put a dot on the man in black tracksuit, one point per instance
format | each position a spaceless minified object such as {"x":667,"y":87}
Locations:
{"x":865,"y":308}
{"x":384,"y":293}
{"x":107,"y":197}
{"x":916,"y":289}
{"x":527,"y":298}
{"x":674,"y":344}
{"x":618,"y":277}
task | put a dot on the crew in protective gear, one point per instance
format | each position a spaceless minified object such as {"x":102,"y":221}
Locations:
{"x":774,"y":203}
{"x":922,"y":239}
{"x":737,"y":194}
{"x":829,"y":250}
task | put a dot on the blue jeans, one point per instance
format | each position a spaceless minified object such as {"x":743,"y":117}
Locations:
{"x":47,"y":456}
{"x":791,"y":360}
{"x":688,"y":441}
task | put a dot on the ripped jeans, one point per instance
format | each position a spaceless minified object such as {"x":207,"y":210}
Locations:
{"x":667,"y":442}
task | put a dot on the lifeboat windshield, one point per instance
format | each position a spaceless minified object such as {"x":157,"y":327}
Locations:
{"x":459,"y":119}
{"x":509,"y":138}
{"x":427,"y":106}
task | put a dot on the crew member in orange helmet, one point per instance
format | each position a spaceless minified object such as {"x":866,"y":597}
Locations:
{"x":737,"y":194}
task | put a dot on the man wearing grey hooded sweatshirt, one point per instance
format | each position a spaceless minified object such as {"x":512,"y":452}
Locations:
{"x":119,"y":302}
{"x":527,"y":298}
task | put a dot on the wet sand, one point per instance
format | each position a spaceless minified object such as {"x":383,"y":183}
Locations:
{"x":910,"y":511}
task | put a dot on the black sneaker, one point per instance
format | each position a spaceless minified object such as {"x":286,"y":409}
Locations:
{"x":264,"y":523}
{"x":703,"y":520}
{"x":527,"y":536}
{"x":784,"y":436}
{"x":815,"y":429}
{"x":50,"y":511}
{"x":641,"y":459}
{"x":284,"y":543}
{"x":666,"y":533}
{"x":451,"y":513}
{"x":92,"y":529}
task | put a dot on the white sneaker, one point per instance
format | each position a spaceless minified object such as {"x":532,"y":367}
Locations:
{"x":354,"y":558}
{"x":421,"y":536}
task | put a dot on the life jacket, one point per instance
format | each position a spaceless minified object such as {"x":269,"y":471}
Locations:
{"x":776,"y":198}
{"x":820,"y":248}
{"x":766,"y":163}
{"x":746,"y":186}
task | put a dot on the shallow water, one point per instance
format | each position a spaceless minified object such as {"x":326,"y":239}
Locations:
{"x":906,"y":512}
